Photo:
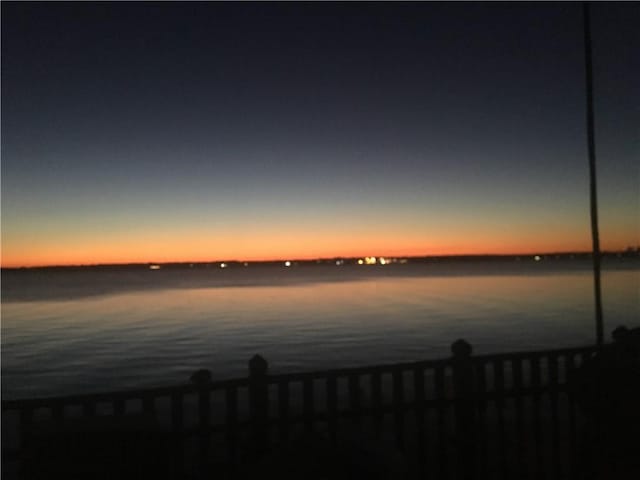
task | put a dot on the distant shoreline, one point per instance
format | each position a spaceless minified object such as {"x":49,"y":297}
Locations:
{"x":549,"y":256}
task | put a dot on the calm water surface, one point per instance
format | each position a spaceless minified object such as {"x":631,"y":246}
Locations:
{"x":67,"y":332}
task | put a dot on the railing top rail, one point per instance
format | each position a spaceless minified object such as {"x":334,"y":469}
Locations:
{"x":363,"y":370}
{"x":425,"y":364}
{"x":533,"y":353}
{"x":240,"y":382}
{"x":121,"y":394}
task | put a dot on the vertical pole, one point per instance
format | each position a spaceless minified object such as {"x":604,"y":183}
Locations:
{"x":258,"y":403}
{"x":464,"y":407}
{"x":591,"y":142}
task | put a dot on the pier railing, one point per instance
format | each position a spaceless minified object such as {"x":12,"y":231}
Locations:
{"x":510,"y":415}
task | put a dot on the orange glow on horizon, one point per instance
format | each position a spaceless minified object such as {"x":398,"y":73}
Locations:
{"x":135,"y":252}
{"x":268,"y":243}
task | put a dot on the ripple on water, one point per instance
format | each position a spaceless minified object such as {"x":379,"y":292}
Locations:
{"x":157,"y":337}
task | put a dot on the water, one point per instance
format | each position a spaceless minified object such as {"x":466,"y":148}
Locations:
{"x":89,"y":330}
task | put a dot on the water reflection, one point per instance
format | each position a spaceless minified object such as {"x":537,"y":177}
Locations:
{"x":160,"y":336}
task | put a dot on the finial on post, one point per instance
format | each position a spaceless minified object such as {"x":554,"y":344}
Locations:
{"x":201,"y":377}
{"x":461,"y":348}
{"x":258,"y":366}
{"x":620,"y":333}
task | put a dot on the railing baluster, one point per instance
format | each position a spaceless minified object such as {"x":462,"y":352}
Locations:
{"x":376,"y":401}
{"x":177,"y":425}
{"x":440,"y":398}
{"x":148,"y":404}
{"x":481,"y":418}
{"x":552,"y":365}
{"x":571,"y":412}
{"x":354,"y":397}
{"x":26,"y":416}
{"x":307,"y":403}
{"x":283,"y":410}
{"x":332,"y":407}
{"x":231,"y":407}
{"x":259,"y":404}
{"x":118,"y":406}
{"x":204,"y":414}
{"x":398,"y":406}
{"x":57,"y":411}
{"x":177,"y":411}
{"x":88,"y":408}
{"x":536,"y":382}
{"x":498,"y":376}
{"x":26,"y":420}
{"x":419,"y":397}
{"x":518,"y":390}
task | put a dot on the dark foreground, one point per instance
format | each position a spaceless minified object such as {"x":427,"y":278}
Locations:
{"x":570,"y":413}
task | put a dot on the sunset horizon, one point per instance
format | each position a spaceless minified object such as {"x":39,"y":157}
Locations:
{"x":389,"y":255}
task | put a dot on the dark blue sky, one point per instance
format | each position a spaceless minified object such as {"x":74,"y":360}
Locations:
{"x":143,"y":131}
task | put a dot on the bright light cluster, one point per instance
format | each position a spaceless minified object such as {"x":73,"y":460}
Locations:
{"x":376,"y":261}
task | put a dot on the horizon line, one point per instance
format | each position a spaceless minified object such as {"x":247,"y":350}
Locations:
{"x":312,"y":259}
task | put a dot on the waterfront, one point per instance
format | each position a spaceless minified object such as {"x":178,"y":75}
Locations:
{"x":140,"y":330}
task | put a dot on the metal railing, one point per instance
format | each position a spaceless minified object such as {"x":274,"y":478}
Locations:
{"x":509,"y":415}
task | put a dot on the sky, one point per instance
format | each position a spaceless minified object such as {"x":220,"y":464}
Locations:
{"x":159,"y":132}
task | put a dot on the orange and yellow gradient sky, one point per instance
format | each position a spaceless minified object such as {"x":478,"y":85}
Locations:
{"x":387,"y":237}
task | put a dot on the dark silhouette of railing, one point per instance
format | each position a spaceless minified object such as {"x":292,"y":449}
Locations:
{"x":510,"y":415}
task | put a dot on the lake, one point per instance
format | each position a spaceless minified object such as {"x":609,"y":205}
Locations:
{"x":79,"y":330}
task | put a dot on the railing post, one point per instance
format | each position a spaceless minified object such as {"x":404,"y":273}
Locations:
{"x":463,"y":384}
{"x":259,"y":403}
